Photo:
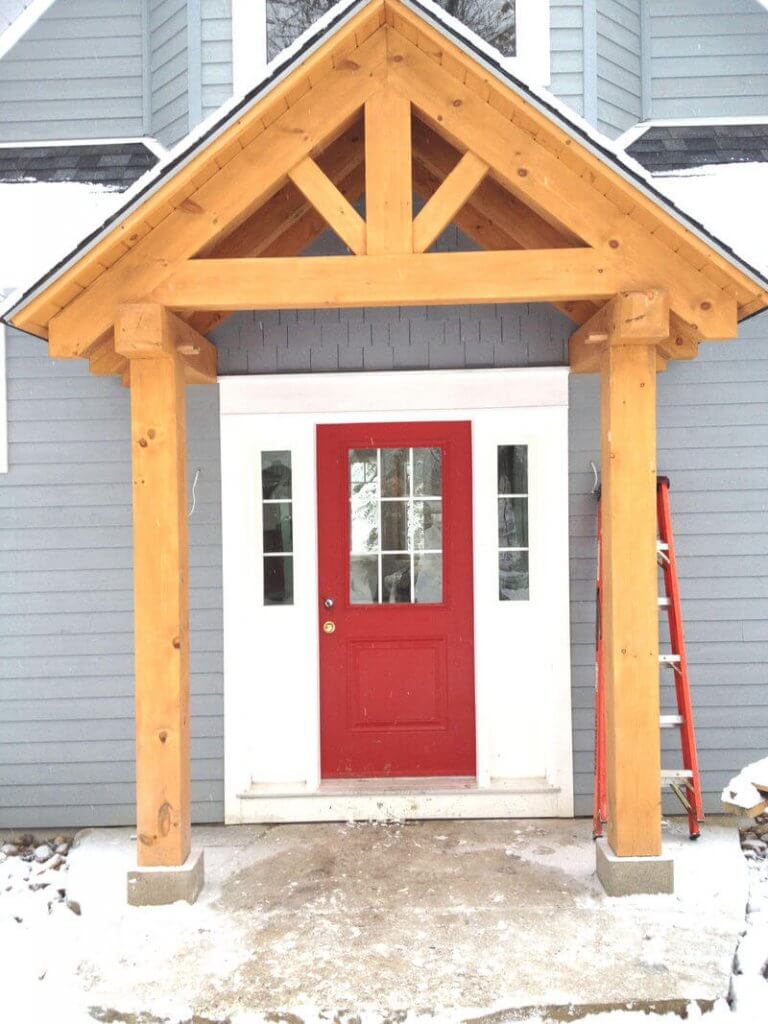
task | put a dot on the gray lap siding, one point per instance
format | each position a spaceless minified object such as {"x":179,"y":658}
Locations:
{"x":66,"y":665}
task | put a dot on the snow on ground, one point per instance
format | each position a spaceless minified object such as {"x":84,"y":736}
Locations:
{"x":440,"y":908}
{"x":43,"y":221}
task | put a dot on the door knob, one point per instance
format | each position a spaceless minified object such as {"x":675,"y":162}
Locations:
{"x":328,"y":602}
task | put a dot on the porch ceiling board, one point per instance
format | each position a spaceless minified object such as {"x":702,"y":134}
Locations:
{"x":409,"y":280}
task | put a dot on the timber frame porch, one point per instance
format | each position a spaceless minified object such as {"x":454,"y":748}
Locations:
{"x":386,"y":106}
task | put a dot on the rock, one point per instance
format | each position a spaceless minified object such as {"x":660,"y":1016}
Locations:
{"x":42,"y":853}
{"x":59,"y":841}
{"x":756,"y":845}
{"x":55,"y":862}
{"x":27,"y":840}
{"x":74,"y":906}
{"x":62,"y":849}
{"x":9,"y":849}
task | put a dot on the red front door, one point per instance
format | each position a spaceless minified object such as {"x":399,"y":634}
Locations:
{"x":397,"y":693}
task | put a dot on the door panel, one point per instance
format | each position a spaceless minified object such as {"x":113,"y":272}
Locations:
{"x":395,"y":603}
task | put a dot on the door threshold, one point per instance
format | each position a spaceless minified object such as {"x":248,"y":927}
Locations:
{"x":398,"y":799}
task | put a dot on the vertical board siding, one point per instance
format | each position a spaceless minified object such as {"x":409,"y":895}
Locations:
{"x":567,"y":51}
{"x":709,"y":58}
{"x":66,"y":599}
{"x":216,"y":32}
{"x":168,"y":73}
{"x":77,"y":73}
{"x":619,"y":70}
{"x":713,"y":444}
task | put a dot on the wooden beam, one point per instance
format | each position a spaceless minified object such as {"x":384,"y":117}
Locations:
{"x":161,"y":599}
{"x":551,"y":188}
{"x":148,"y":331}
{"x":388,"y":173}
{"x":226,"y":199}
{"x":332,"y":206}
{"x":631,"y":618}
{"x":636,"y":317}
{"x":103,"y":361}
{"x":352,"y":281}
{"x":452,"y":195}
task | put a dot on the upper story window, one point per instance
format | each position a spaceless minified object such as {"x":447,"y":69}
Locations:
{"x":518,"y":29}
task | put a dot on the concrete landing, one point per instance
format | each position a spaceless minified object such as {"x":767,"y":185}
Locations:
{"x":445,"y":919}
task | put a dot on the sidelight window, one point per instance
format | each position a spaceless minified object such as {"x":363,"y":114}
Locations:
{"x":277,"y":528}
{"x":514,"y":550}
{"x":396,"y":526}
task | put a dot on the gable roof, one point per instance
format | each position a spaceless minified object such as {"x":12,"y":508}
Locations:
{"x":200,"y":155}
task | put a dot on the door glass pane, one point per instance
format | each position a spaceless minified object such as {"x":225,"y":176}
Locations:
{"x":514,"y":576}
{"x":513,"y":469}
{"x":428,"y":525}
{"x":364,"y":523}
{"x":396,"y":579}
{"x":278,"y":529}
{"x":394,"y":525}
{"x":395,"y":472}
{"x":364,"y":580}
{"x":427,"y":472}
{"x":275,"y":475}
{"x":390,"y":526}
{"x":513,"y":522}
{"x":278,"y":580}
{"x":428,"y":579}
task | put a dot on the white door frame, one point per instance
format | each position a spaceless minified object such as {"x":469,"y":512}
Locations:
{"x":522,"y":649}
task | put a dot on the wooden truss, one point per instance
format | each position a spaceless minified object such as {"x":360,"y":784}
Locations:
{"x":388,"y":108}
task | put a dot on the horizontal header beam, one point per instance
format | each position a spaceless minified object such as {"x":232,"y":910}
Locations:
{"x":551,"y":275}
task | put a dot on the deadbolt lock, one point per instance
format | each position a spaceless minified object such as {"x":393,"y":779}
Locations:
{"x":329,"y":627}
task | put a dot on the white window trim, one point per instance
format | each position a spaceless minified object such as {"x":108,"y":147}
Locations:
{"x":249,"y":41}
{"x":3,"y":405}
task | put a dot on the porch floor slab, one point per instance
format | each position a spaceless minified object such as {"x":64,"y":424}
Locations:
{"x":444,"y":919}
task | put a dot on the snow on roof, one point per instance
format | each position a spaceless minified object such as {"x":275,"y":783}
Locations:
{"x":43,"y":220}
{"x":219,"y":121}
{"x":730,"y":200}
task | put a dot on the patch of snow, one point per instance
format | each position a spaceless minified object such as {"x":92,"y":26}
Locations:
{"x":42,"y":221}
{"x":729,"y":200}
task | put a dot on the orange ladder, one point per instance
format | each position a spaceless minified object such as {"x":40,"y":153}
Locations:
{"x":685,"y":782}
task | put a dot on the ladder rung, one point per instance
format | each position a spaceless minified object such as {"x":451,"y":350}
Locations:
{"x":673,"y":774}
{"x":669,"y":659}
{"x":664,"y":602}
{"x":661,"y":546}
{"x":670,"y":721}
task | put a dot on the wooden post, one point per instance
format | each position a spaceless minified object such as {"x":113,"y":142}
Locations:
{"x":634,"y":324}
{"x":161,"y":557}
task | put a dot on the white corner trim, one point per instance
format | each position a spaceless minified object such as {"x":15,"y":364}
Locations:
{"x":3,"y":406}
{"x":249,"y":43}
{"x":22,"y":24}
{"x":533,"y":60}
{"x":396,"y":391}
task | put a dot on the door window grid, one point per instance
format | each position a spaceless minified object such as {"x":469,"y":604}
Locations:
{"x":277,"y":527}
{"x":361,"y":552}
{"x":514,"y":559}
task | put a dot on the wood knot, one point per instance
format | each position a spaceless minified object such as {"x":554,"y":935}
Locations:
{"x":145,"y":839}
{"x":142,"y":442}
{"x":176,"y":642}
{"x":614,"y":243}
{"x":190,"y":206}
{"x":397,"y":59}
{"x":162,"y":736}
{"x":164,"y":819}
{"x":679,"y":341}
{"x":458,"y":103}
{"x":522,"y":172}
{"x":706,"y":306}
{"x":348,"y":65}
{"x":151,"y":434}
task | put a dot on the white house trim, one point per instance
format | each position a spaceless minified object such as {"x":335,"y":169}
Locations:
{"x":249,"y":43}
{"x":3,"y":405}
{"x":21,"y":25}
{"x":271,"y":654}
